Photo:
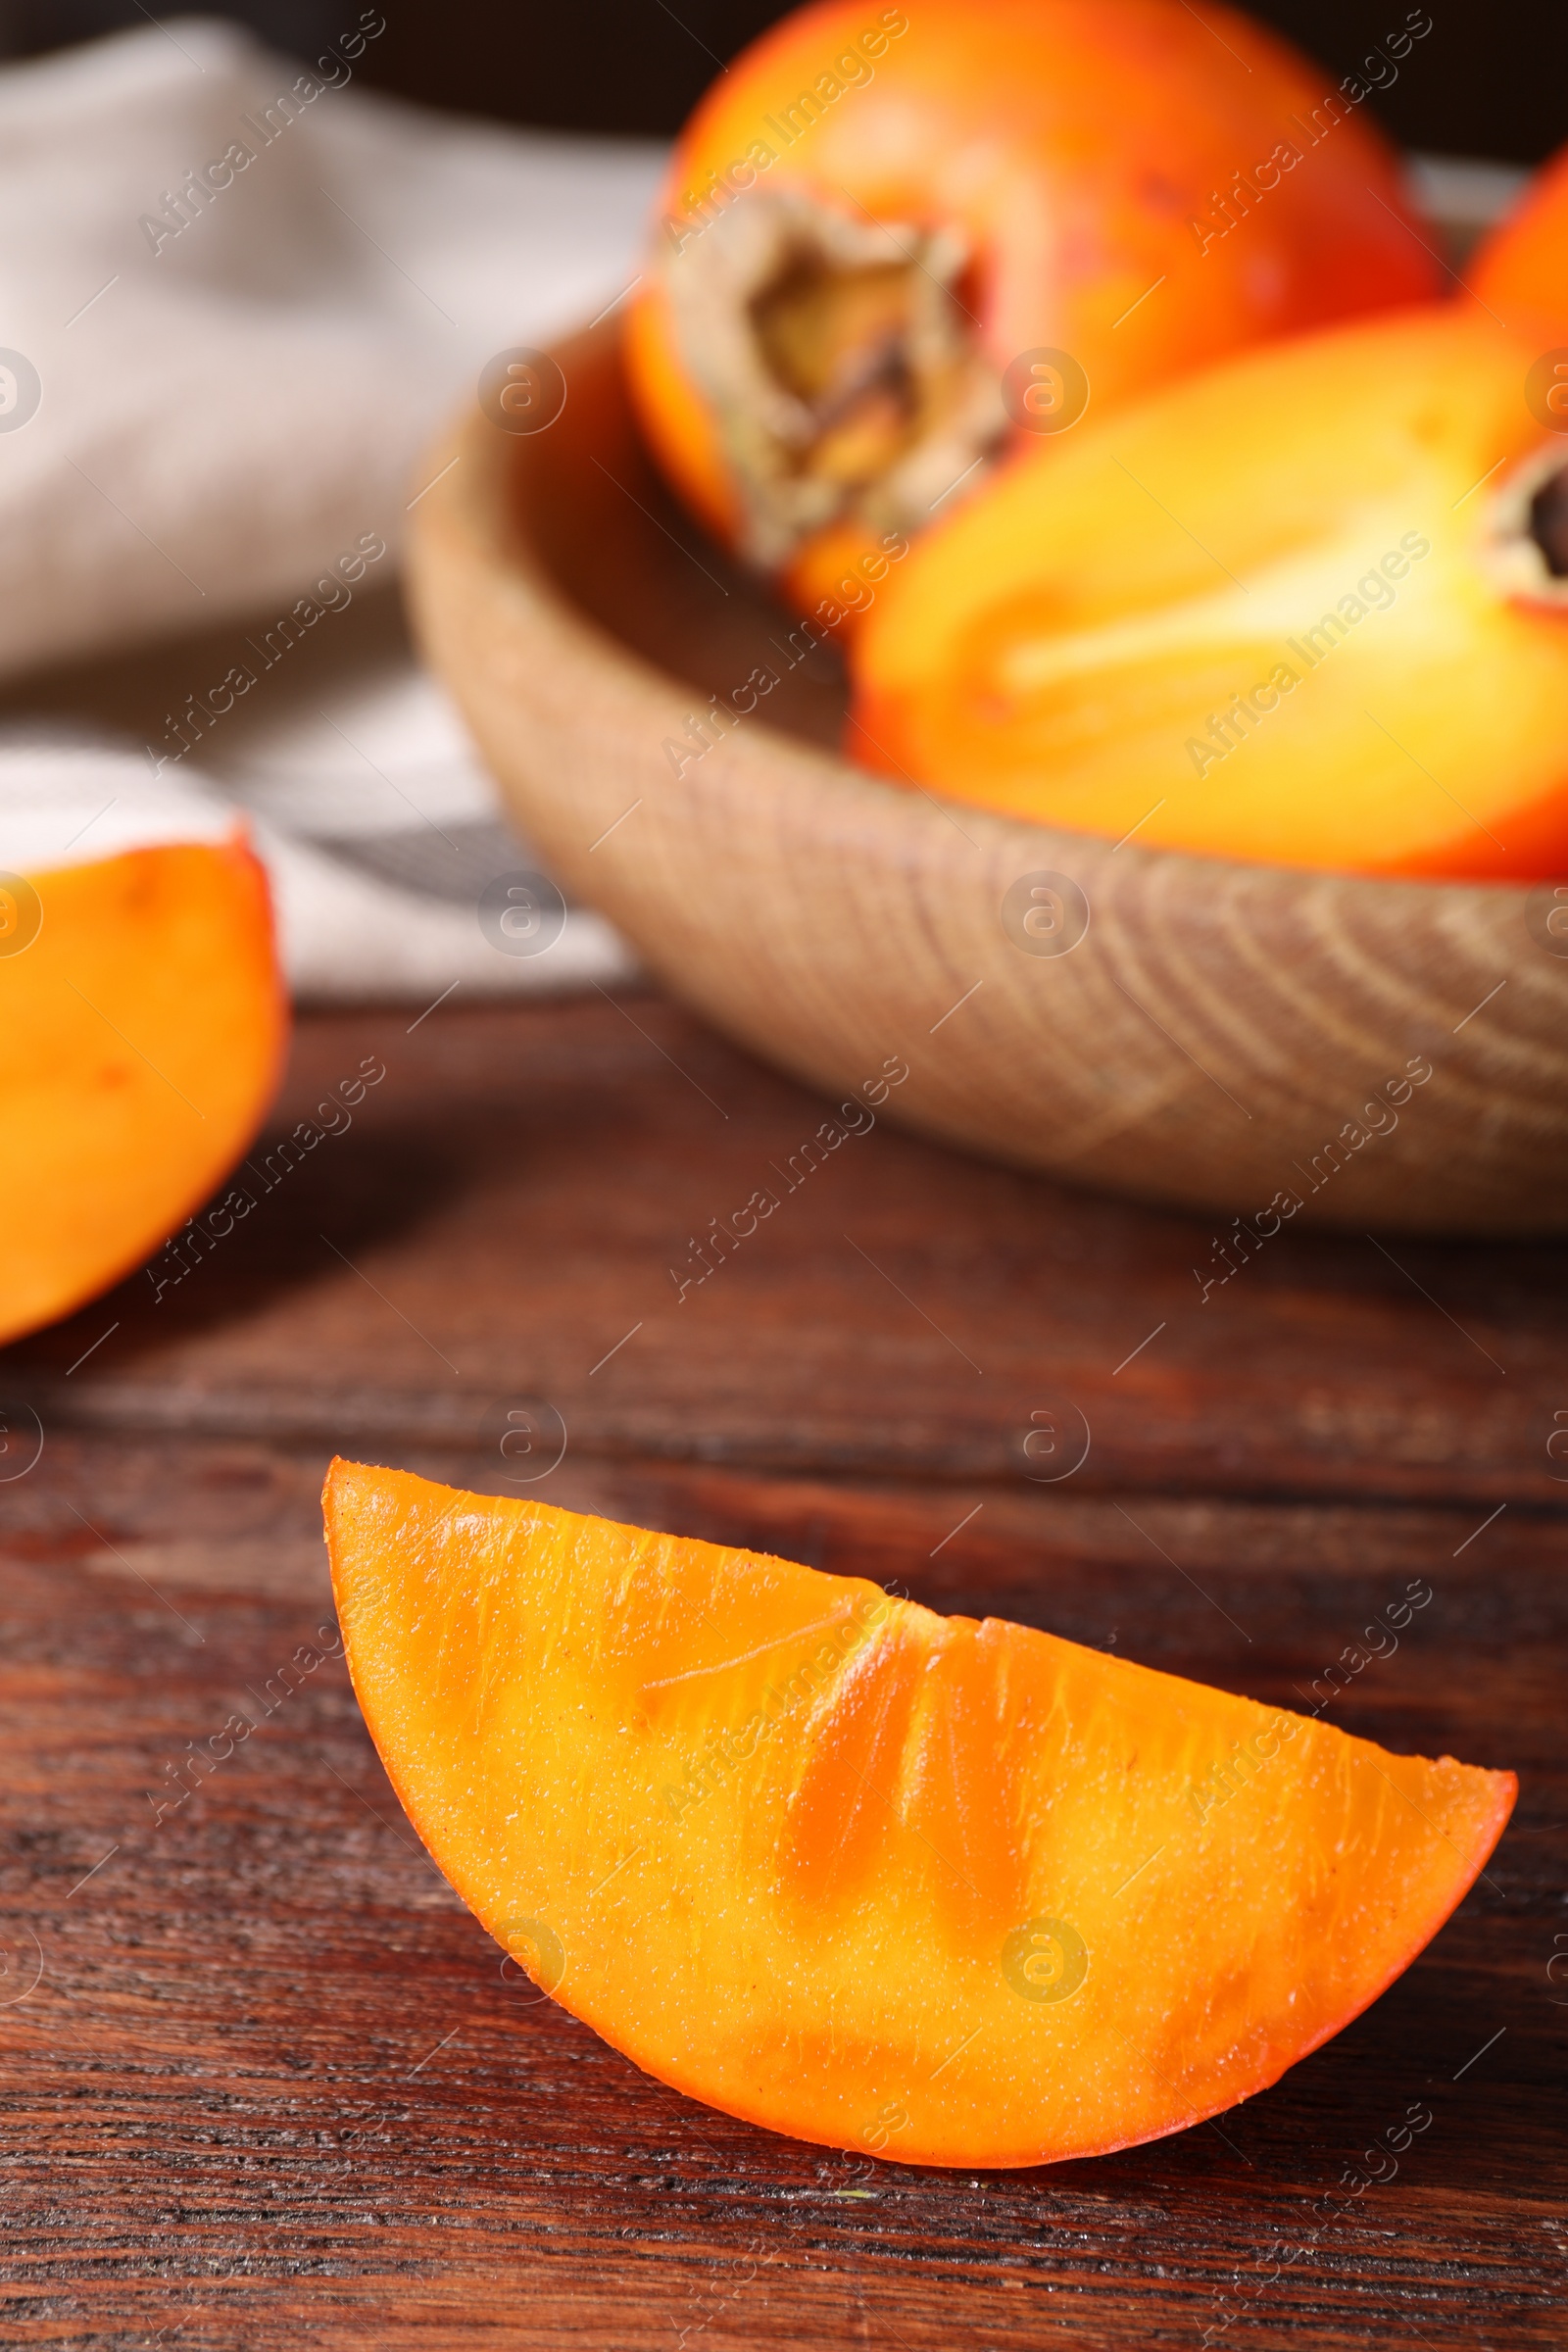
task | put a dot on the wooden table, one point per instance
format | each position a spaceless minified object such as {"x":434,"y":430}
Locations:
{"x":267,"y":2083}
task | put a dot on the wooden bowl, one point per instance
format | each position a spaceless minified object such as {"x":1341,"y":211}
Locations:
{"x":1220,"y":1034}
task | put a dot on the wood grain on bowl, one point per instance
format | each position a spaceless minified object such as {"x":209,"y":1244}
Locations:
{"x":1249,"y":1039}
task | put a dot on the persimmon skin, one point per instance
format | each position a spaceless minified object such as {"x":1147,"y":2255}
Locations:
{"x":1157,"y":633}
{"x":141,"y":1039}
{"x":1086,"y":153}
{"x":1521,"y":267}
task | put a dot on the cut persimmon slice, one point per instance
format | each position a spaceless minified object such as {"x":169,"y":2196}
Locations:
{"x":956,"y":1892}
{"x":143,"y":1017}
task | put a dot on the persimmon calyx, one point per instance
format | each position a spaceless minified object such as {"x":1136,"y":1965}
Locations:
{"x":1527,"y":531}
{"x":842,"y":364}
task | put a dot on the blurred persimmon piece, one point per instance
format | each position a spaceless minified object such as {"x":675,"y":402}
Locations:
{"x":1520,"y":269}
{"x":142,"y":1025}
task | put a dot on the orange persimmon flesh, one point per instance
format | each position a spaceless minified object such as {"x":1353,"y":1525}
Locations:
{"x":955,"y":1892}
{"x":1310,"y":607}
{"x":1521,"y":267}
{"x":141,"y":1038}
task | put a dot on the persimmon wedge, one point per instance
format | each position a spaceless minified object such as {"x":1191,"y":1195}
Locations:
{"x":958,"y":1892}
{"x":142,"y":1018}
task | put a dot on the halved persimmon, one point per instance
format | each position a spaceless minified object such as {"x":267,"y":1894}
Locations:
{"x":956,"y":1892}
{"x":142,"y":1018}
{"x":1309,"y":608}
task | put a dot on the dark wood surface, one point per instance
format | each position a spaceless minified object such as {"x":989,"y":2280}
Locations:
{"x":267,"y":2083}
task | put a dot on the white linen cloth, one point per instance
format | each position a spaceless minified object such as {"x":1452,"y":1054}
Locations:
{"x":217,"y":376}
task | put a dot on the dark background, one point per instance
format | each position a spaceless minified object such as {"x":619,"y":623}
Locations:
{"x":1486,"y":81}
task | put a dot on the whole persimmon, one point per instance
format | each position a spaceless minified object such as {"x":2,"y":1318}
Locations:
{"x":1308,"y":607}
{"x":891,"y":243}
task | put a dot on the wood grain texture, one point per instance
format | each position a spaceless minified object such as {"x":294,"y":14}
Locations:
{"x":518,"y":1195}
{"x":272,"y":2086}
{"x":1211,"y":1033}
